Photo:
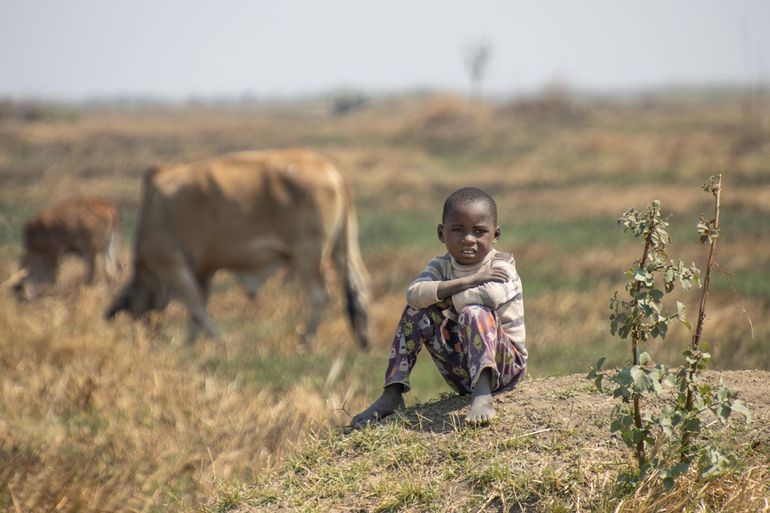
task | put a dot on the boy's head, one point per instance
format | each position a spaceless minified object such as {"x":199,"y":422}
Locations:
{"x":469,"y":194}
{"x":469,"y":225}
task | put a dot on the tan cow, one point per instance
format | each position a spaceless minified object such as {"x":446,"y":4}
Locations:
{"x":250,"y":213}
{"x":86,"y":227}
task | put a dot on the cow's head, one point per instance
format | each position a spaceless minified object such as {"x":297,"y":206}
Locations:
{"x":37,"y":271}
{"x":145,"y":292}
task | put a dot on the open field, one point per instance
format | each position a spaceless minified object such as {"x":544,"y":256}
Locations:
{"x":98,"y":417}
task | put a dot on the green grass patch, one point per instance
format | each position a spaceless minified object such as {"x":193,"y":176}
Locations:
{"x":396,"y":229}
{"x":548,"y":276}
{"x":567,"y":234}
{"x":278,"y":372}
{"x":12,"y":218}
{"x":572,"y":356}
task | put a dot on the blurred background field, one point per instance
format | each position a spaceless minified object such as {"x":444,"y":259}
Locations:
{"x":99,"y":417}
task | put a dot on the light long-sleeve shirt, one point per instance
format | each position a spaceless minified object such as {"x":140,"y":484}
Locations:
{"x":506,"y":297}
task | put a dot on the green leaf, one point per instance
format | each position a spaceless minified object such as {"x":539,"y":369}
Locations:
{"x":679,"y":469}
{"x":713,"y":461}
{"x":621,"y":391}
{"x":623,"y":377}
{"x":740,"y":407}
{"x":600,"y":362}
{"x":681,"y":314}
{"x":723,"y":394}
{"x":642,"y":382}
{"x":692,"y":425}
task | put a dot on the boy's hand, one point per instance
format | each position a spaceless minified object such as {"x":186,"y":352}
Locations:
{"x":495,"y":274}
{"x":449,"y":288}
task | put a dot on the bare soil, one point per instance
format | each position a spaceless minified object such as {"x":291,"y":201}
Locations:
{"x":565,"y":402}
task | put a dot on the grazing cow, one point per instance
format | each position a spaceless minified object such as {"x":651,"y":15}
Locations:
{"x":250,"y":213}
{"x":86,"y":227}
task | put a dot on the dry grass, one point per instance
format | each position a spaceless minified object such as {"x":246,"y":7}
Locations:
{"x":548,"y":451}
{"x":102,"y":419}
{"x":730,"y":493}
{"x":97,"y":417}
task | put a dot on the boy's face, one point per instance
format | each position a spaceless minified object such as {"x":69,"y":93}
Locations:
{"x":469,"y":232}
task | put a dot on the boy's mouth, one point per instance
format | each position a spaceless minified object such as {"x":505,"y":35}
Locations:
{"x":468,"y":252}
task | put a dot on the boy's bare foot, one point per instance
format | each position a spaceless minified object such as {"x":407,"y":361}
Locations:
{"x":391,"y":400}
{"x":482,"y":411}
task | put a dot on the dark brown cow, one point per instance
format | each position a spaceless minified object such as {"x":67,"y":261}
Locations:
{"x":250,"y":213}
{"x":86,"y":227}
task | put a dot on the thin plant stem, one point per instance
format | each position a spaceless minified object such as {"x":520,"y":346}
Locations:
{"x":696,"y":338}
{"x":640,"y":452}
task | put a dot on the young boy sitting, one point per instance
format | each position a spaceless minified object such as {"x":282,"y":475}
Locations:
{"x":466,"y":308}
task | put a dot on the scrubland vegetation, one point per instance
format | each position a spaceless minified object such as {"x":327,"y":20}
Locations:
{"x":125,"y":417}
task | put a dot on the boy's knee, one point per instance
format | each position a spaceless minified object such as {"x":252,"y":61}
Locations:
{"x":425,"y":320}
{"x":474,"y":311}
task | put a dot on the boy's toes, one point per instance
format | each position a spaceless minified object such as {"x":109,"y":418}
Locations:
{"x":480,"y":416}
{"x":366,"y":418}
{"x":362,"y":420}
{"x":376,"y":412}
{"x":477,"y":421}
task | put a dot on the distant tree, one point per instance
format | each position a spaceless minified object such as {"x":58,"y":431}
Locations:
{"x":476,"y":61}
{"x":348,"y":101}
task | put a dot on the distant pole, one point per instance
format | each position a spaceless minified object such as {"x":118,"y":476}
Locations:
{"x":476,"y":61}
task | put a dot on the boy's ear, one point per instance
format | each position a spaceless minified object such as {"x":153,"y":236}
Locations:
{"x":440,"y":231}
{"x":498,"y":233}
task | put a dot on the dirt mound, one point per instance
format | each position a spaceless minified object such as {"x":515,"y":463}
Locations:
{"x":446,"y":123}
{"x":550,"y":449}
{"x":572,"y":401}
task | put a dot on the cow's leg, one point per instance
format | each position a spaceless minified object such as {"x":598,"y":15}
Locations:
{"x":317,"y":297}
{"x":189,"y":291}
{"x":111,"y":266}
{"x":89,"y":257}
{"x":204,"y":282}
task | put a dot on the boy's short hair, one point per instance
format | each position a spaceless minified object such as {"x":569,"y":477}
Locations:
{"x":468,"y":195}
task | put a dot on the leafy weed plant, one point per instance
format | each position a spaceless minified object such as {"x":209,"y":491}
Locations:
{"x":666,"y":441}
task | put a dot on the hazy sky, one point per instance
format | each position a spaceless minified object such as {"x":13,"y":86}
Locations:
{"x":74,"y":49}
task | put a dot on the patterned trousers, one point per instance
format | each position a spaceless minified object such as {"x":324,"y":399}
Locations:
{"x":461,"y":350}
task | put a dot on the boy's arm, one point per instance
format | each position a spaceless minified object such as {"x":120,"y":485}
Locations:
{"x":430,"y":287}
{"x":422,"y":292}
{"x":449,"y":288}
{"x":491,"y":293}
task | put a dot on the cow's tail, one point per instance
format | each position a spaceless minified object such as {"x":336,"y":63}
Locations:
{"x":355,"y":278}
{"x":146,"y":196}
{"x":147,"y":200}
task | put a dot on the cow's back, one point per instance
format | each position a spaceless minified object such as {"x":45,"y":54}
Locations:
{"x":74,"y":225}
{"x":235,"y":210}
